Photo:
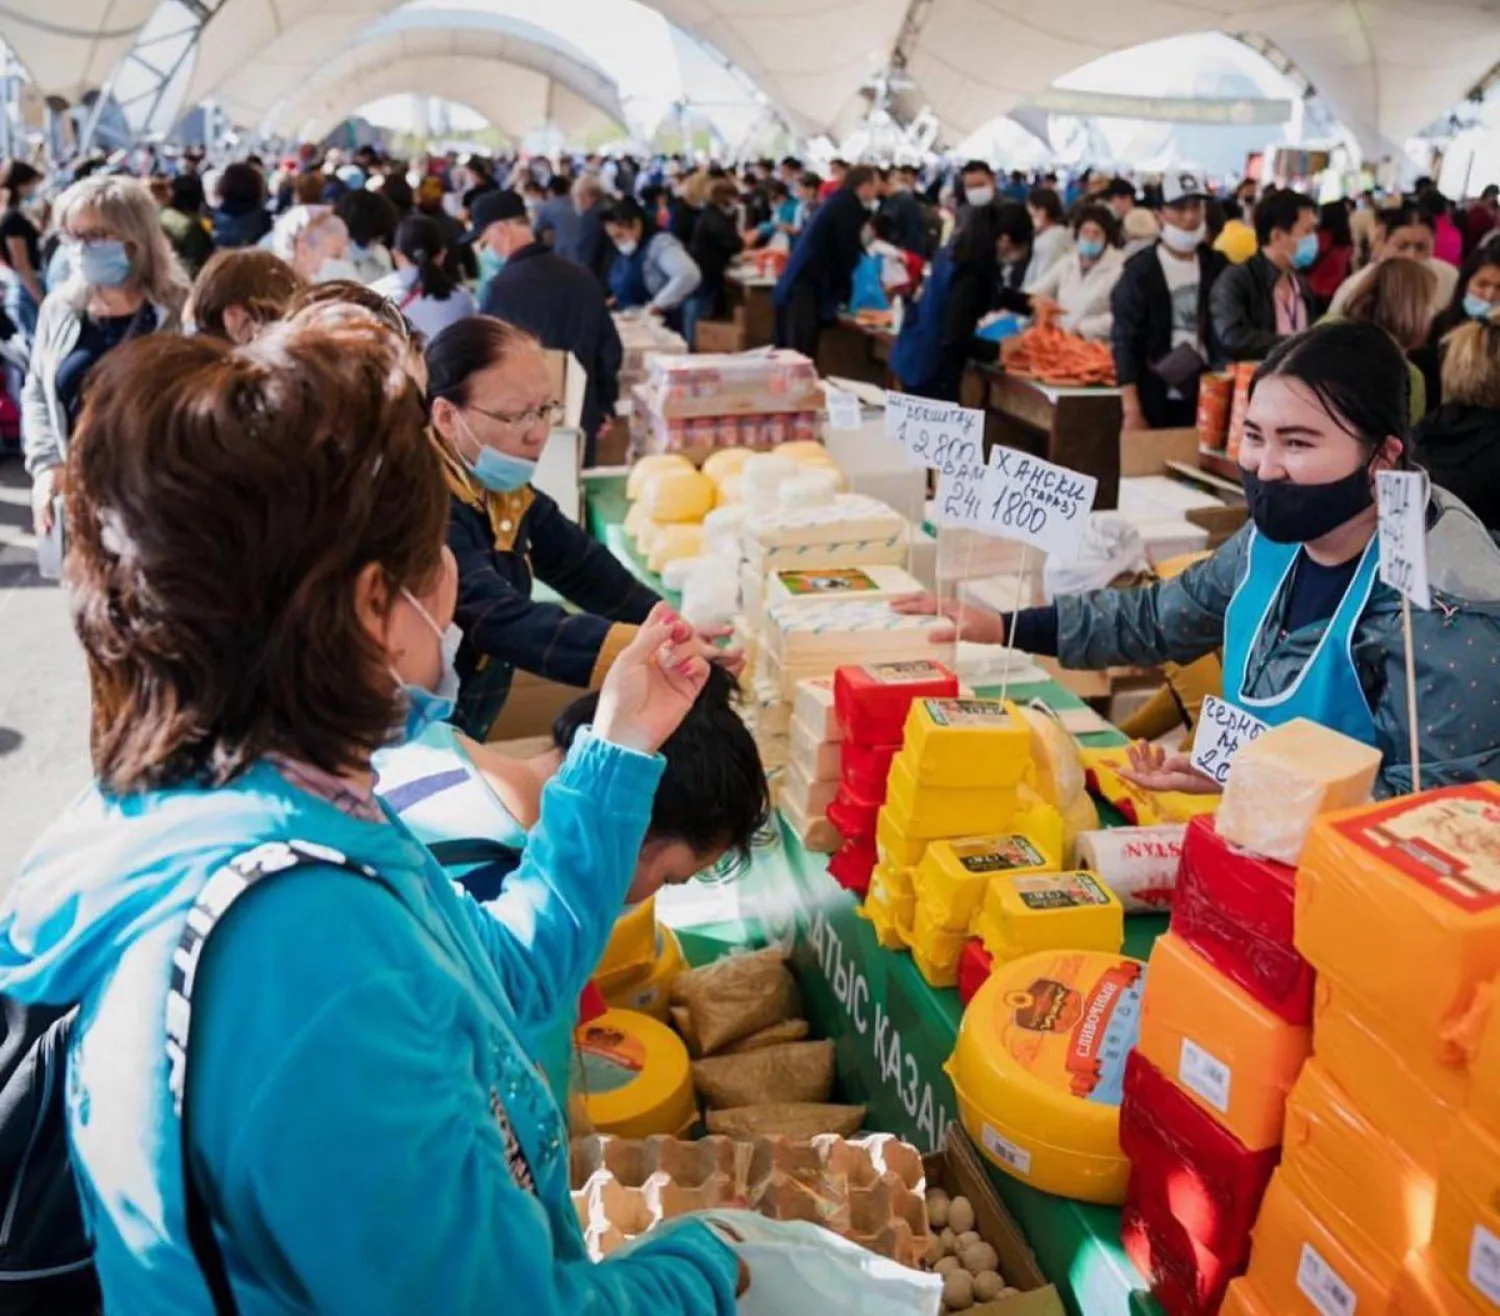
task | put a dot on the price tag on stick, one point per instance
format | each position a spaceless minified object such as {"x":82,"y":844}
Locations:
{"x":1402,"y":500}
{"x":843,"y":410}
{"x":939,"y":435}
{"x":1035,"y":502}
{"x":1222,"y":729}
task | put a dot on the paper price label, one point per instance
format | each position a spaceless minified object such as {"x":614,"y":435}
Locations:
{"x":843,"y":411}
{"x":1402,"y":497}
{"x":1204,"y":1075}
{"x":1222,"y":729}
{"x":1321,"y":1285}
{"x":1006,"y":1152}
{"x":939,"y":435}
{"x":1484,"y":1263}
{"x":1035,"y":502}
{"x":960,"y":498}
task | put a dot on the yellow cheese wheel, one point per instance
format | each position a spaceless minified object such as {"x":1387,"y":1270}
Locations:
{"x":1039,"y":1069}
{"x":646,"y":467}
{"x":635,"y":518}
{"x":673,"y":542}
{"x":1059,"y":765}
{"x":724,"y":462}
{"x":678,"y":495}
{"x":803,"y":450}
{"x":645,"y":536}
{"x":632,"y":946}
{"x":635,"y":1075}
{"x":651,"y":992}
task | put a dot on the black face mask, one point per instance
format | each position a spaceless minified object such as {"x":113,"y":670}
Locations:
{"x":1287,"y":513}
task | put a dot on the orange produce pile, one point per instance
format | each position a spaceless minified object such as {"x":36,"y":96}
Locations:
{"x":1055,"y":357}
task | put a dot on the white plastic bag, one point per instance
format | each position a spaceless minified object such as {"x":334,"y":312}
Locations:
{"x":1111,"y":547}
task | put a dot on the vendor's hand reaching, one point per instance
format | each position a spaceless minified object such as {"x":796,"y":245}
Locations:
{"x":975,"y":625}
{"x":652,"y":684}
{"x":1152,"y":768}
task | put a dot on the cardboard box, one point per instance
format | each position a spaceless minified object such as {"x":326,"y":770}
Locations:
{"x":570,"y":382}
{"x":1175,"y":453}
{"x":559,"y":471}
{"x":959,"y":1171}
{"x":532,"y":707}
{"x":721,"y":336}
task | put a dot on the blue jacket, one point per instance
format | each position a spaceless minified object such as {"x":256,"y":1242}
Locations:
{"x":365,"y":1110}
{"x":558,"y":216}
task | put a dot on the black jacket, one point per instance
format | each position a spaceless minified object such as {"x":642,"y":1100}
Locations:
{"x":683,"y":221}
{"x":563,"y":305}
{"x":905,"y":214}
{"x":1459,"y":446}
{"x":1243,"y":306}
{"x":591,"y":245}
{"x":716,"y":242}
{"x":825,"y":256}
{"x":969,"y":297}
{"x":1142,"y":332}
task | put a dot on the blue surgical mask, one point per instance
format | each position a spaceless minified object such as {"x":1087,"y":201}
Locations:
{"x":1091,"y":248}
{"x":1476,"y":308}
{"x":426,"y":708}
{"x":490,"y":263}
{"x":499,"y":472}
{"x":104,"y":264}
{"x":1307,"y":251}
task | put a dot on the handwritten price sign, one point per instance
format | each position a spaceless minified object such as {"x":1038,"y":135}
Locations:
{"x":1031,"y":500}
{"x":843,"y":410}
{"x":940,"y":435}
{"x":1222,"y":730}
{"x":1402,"y":496}
{"x":960,"y":498}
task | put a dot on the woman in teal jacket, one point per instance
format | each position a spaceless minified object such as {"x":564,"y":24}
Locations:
{"x":264,"y":600}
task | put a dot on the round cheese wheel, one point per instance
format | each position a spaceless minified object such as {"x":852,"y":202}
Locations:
{"x":677,"y":495}
{"x":635,"y":518}
{"x":728,"y":493}
{"x":803,"y":450}
{"x":645,"y":538}
{"x":646,"y":467}
{"x":632,"y":945}
{"x":651,"y":991}
{"x":1060,"y":775}
{"x":635,"y":1075}
{"x":725,"y":461}
{"x":673,"y":542}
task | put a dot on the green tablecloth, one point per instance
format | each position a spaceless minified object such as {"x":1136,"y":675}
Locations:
{"x":893,"y":1031}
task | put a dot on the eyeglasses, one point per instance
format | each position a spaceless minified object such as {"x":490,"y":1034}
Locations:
{"x":92,"y":236}
{"x":549,"y":413}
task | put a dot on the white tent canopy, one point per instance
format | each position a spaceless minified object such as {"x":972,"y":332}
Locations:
{"x":70,"y":48}
{"x":514,"y":74}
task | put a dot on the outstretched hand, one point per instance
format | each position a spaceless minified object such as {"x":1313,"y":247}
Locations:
{"x":652,"y":684}
{"x":1153,"y":769}
{"x":971,"y":624}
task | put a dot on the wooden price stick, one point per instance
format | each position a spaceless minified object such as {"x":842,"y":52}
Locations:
{"x":1411,"y":696}
{"x":1010,"y":631}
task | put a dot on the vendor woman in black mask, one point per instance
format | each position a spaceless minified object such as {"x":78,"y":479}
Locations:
{"x":1294,"y":599}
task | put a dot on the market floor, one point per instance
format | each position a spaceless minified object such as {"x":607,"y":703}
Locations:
{"x":43,"y":686}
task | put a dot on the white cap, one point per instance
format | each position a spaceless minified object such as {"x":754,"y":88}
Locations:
{"x":1181,"y":186}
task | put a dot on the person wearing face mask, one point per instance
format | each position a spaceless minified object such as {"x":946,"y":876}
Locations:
{"x":1080,"y":284}
{"x":819,"y":274}
{"x":976,"y":186}
{"x":1257,"y":304}
{"x":1052,"y":239}
{"x":264,"y":602}
{"x":124,"y":282}
{"x":1402,"y":231}
{"x":554,"y":299}
{"x":1476,"y":294}
{"x":1294,"y":599}
{"x":20,"y":245}
{"x":652,"y":269}
{"x":1162,"y":337}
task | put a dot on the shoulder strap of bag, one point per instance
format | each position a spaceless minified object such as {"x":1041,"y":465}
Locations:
{"x":216,"y":898}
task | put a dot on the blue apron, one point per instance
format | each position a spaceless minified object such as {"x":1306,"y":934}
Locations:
{"x":627,"y":279}
{"x":1327,"y":689}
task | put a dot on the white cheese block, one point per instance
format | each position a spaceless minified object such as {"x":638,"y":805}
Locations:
{"x":809,"y":797}
{"x":819,"y":759}
{"x":804,"y":642}
{"x":888,"y":551}
{"x":846,"y":518}
{"x":813,"y":707}
{"x":807,"y":587}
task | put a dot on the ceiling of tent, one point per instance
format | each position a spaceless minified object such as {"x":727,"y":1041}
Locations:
{"x":515,"y":74}
{"x":69,"y":48}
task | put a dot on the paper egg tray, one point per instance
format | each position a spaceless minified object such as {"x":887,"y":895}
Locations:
{"x":870,"y":1190}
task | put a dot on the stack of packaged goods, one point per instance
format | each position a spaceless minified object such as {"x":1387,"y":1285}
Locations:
{"x":811,"y":779}
{"x":873,"y":702}
{"x":694,"y":404}
{"x":641,"y":337}
{"x":1385,"y":1200}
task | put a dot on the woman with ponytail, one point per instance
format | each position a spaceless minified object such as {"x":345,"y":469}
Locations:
{"x":21,"y":248}
{"x":420,"y":286}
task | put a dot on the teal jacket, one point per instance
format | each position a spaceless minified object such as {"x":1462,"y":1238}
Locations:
{"x":367,"y":1122}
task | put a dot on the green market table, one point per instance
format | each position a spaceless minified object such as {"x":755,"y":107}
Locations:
{"x":893,"y":1031}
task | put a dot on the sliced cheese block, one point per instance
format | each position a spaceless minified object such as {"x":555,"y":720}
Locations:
{"x":726,"y":461}
{"x":1060,"y":776}
{"x":953,"y":876}
{"x":677,"y":495}
{"x":968,"y":742}
{"x":673,"y":542}
{"x":645,"y":468}
{"x":1280,"y":783}
{"x":1026,"y":912}
{"x":819,"y":760}
{"x":809,"y":796}
{"x":806,"y":587}
{"x":813,"y":706}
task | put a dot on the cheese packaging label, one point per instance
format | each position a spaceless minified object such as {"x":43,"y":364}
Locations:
{"x":1205,"y":1075}
{"x":998,"y":854}
{"x":1321,"y":1285}
{"x":967,"y":712}
{"x":1484,"y":1263}
{"x":1449,"y":842}
{"x":832,"y":580}
{"x":1003,"y":1149}
{"x":914,"y":673}
{"x":1059,"y":891}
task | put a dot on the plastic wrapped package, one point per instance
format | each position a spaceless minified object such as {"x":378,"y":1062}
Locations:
{"x":710,"y":597}
{"x":853,"y":815}
{"x":946,"y":811}
{"x":810,"y":489}
{"x":1236,"y":910}
{"x":853,"y":863}
{"x":1023,"y":913}
{"x":974,"y":968}
{"x":722,"y":529}
{"x":958,"y":743}
{"x":953,"y":876}
{"x":1112,"y":547}
{"x":755,"y":382}
{"x":1466,"y":1235}
{"x":1141,"y":807}
{"x":672,"y":543}
{"x":867,"y":769}
{"x":873,"y":701}
{"x":1186,"y":1278}
{"x":1139,"y":864}
{"x":1423,"y":1289}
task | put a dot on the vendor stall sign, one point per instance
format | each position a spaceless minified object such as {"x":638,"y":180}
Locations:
{"x":1222,"y":729}
{"x":1030,"y":500}
{"x":940,"y":436}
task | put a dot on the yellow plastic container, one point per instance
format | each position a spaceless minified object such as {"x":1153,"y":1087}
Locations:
{"x":1142,"y":807}
{"x":1423,"y":1289}
{"x":1358,"y":1180}
{"x":934,"y":811}
{"x":651,"y":994}
{"x":894,"y":844}
{"x":1023,"y":913}
{"x":1218,"y":1044}
{"x":958,"y":743}
{"x":879,"y":910}
{"x":1407,"y":1095}
{"x":1039,"y":1069}
{"x":1296,"y":1254}
{"x":937,"y":960}
{"x":634,"y":1075}
{"x":951,"y":881}
{"x":633,"y":948}
{"x":1466,"y":1233}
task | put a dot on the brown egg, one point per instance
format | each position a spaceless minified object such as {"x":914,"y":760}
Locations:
{"x":961,"y":1215}
{"x":978,"y":1258}
{"x":988,"y":1286}
{"x":958,"y":1291}
{"x":937,"y":1208}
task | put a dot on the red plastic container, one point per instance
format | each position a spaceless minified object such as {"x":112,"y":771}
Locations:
{"x":867,"y":768}
{"x":1209,"y":1182}
{"x":1235,"y":909}
{"x":1186,"y":1278}
{"x":854,"y":815}
{"x":872,"y":700}
{"x":974,"y":968}
{"x":852,"y":865}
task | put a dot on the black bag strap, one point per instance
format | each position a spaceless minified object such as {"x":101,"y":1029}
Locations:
{"x":216,"y":898}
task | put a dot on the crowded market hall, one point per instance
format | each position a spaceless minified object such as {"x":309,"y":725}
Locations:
{"x":869,"y":634}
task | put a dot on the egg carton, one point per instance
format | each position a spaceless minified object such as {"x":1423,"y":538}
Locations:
{"x":871,"y":1190}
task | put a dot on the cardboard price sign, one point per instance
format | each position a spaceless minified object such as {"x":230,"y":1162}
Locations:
{"x":940,"y":435}
{"x":1035,"y":502}
{"x":1402,"y":496}
{"x":1222,"y":729}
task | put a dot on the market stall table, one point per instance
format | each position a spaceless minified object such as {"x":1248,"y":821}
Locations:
{"x":1074,"y":427}
{"x":851,"y":349}
{"x":893,"y":1031}
{"x":749,"y":297}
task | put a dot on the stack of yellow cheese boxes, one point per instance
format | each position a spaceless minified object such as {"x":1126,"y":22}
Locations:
{"x":1391,"y":1127}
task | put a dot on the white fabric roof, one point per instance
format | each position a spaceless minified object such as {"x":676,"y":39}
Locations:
{"x":515,"y":74}
{"x":70,"y":47}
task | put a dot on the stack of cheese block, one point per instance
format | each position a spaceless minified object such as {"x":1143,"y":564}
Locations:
{"x":1157,"y":506}
{"x":1386,"y":1197}
{"x":812,"y":772}
{"x":873,"y":701}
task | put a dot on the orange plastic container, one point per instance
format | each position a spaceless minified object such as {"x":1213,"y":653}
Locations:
{"x":1221,"y":1046}
{"x":1466,"y":1234}
{"x":1242,"y":1300}
{"x":1300,"y":1267}
{"x":1484,"y":1073}
{"x":1423,"y":1290}
{"x":1356,"y":1178}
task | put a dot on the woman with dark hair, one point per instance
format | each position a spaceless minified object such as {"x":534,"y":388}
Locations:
{"x":716,"y":245}
{"x":1448,"y":242}
{"x":342,"y":1067}
{"x":1476,"y":295}
{"x":20,"y":246}
{"x":241,"y":219}
{"x":1335,"y":252}
{"x":420,"y":285}
{"x":182,"y":220}
{"x":371,"y":220}
{"x":653,"y":269}
{"x":1080,"y":284}
{"x":239,"y":293}
{"x":1294,"y":600}
{"x":1051,"y":240}
{"x":492,"y":405}
{"x":1458,"y":444}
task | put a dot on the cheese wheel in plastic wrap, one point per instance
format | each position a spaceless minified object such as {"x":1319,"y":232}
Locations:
{"x":1060,"y":775}
{"x":803,"y":450}
{"x":674,"y":575}
{"x":725,"y":462}
{"x":1139,"y":864}
{"x":1079,"y":815}
{"x":646,"y":467}
{"x":678,"y":496}
{"x":727,"y":492}
{"x":635,"y":520}
{"x":674,"y":542}
{"x":813,"y":488}
{"x":645,"y":536}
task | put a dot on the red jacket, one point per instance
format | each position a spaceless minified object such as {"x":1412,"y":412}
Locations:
{"x":1330,"y":269}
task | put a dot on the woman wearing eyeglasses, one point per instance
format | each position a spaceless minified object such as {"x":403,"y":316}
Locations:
{"x":492,"y":408}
